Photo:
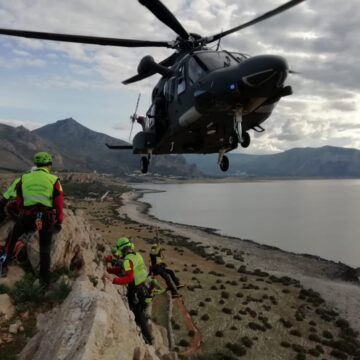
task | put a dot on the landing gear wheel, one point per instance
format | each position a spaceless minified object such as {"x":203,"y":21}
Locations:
{"x":224,"y":163}
{"x":144,"y":164}
{"x":233,"y":139}
{"x":245,"y":140}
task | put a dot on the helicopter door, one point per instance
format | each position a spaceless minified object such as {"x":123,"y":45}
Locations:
{"x":169,"y":89}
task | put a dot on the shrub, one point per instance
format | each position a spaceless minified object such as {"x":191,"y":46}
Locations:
{"x":60,"y":292}
{"x":295,"y":332}
{"x":219,"y":334}
{"x":26,"y":292}
{"x":230,"y":266}
{"x":201,"y":304}
{"x":327,"y":334}
{"x":285,"y":344}
{"x":225,"y":294}
{"x":286,"y":324}
{"x":93,"y":279}
{"x":298,"y":348}
{"x":341,"y":323}
{"x":338,"y":354}
{"x":314,"y":337}
{"x":193,"y":312}
{"x":227,"y":310}
{"x":255,"y":326}
{"x":205,"y":317}
{"x":4,"y":289}
{"x":100,"y":247}
{"x":299,"y":316}
{"x":236,"y":349}
{"x":247,"y":341}
{"x":183,"y":342}
{"x":314,"y":352}
{"x":191,"y":333}
{"x":208,"y":299}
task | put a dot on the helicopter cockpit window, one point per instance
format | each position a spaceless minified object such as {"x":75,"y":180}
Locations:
{"x":195,"y":70}
{"x":181,"y":81}
{"x":240,"y":57}
{"x":216,"y":60}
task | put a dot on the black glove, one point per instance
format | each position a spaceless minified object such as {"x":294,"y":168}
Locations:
{"x":57,"y":227}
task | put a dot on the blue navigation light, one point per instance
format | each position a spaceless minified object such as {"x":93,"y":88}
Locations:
{"x":232,"y":86}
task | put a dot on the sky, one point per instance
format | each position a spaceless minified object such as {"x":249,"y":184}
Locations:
{"x":43,"y":81}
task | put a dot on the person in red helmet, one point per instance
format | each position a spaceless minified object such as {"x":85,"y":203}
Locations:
{"x":40,"y":202}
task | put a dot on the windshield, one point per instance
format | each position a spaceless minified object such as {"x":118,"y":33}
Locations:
{"x":216,"y":60}
{"x":195,"y":69}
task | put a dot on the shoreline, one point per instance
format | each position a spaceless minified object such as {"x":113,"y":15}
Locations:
{"x":336,"y":282}
{"x":216,"y":232}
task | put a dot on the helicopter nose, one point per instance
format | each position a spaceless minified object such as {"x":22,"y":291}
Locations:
{"x":265,"y":71}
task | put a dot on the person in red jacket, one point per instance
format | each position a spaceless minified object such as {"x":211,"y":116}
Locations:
{"x":133,"y":273}
{"x":40,"y":200}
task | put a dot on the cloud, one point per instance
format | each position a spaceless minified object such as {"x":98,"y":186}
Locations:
{"x":29,"y":124}
{"x":318,"y":39}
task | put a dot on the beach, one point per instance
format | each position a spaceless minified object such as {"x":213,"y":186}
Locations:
{"x":335,"y":282}
{"x":239,"y":296}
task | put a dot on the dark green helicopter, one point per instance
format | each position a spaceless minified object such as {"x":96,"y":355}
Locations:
{"x":206,"y":100}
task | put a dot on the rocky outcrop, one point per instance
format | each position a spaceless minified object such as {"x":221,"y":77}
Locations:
{"x":91,"y":324}
{"x":7,"y":309}
{"x":94,"y":322}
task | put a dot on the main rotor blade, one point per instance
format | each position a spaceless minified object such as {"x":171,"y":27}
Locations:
{"x":263,"y":17}
{"x":165,"y":16}
{"x":94,"y":40}
{"x":166,"y":62}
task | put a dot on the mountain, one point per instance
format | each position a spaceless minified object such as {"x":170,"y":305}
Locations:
{"x":77,"y":148}
{"x":16,"y":145}
{"x":327,"y":161}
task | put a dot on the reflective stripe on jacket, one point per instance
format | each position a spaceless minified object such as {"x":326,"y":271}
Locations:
{"x":38,"y":187}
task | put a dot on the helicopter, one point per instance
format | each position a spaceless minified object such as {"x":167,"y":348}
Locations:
{"x":206,"y":100}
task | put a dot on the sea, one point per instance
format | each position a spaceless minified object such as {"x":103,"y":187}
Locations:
{"x":318,"y":217}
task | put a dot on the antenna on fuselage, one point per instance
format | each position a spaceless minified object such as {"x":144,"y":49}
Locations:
{"x":218,"y":44}
{"x":133,"y":117}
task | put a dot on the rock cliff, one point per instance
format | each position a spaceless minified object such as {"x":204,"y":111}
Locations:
{"x":94,"y":322}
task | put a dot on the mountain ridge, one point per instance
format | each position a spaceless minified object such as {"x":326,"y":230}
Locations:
{"x":326,"y":161}
{"x":77,"y":148}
